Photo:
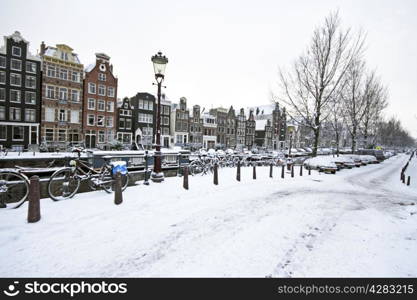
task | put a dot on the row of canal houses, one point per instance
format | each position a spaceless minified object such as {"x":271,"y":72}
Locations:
{"x":51,"y":101}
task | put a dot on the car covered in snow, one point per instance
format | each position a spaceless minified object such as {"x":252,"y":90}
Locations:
{"x":322,"y":164}
{"x":344,"y":162}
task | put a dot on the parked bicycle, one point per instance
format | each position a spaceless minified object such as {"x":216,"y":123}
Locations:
{"x":65,"y":182}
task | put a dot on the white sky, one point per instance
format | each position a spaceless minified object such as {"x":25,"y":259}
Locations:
{"x":220,"y":52}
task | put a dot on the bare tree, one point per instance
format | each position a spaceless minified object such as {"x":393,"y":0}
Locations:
{"x":309,"y":87}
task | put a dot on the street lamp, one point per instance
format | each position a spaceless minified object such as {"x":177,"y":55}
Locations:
{"x":159,"y":64}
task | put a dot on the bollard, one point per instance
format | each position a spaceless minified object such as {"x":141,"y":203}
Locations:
{"x":289,"y":167}
{"x":185,"y":178}
{"x":309,"y":170}
{"x":254,"y":171}
{"x":34,"y":210}
{"x":301,"y":170}
{"x":403,"y":179}
{"x":216,"y":175}
{"x":283,"y":172}
{"x":408,"y":180}
{"x":238,"y":171}
{"x":401,"y":176}
{"x":118,"y":196}
{"x":270,"y":170}
{"x":292,"y":171}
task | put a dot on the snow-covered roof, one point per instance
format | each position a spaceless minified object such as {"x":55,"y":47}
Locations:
{"x":17,"y":37}
{"x":260,"y":124}
{"x":89,"y":67}
{"x":55,"y":52}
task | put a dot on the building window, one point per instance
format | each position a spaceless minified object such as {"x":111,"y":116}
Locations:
{"x":101,"y":77}
{"x":2,"y":113}
{"x":75,"y":76}
{"x":2,"y":77}
{"x":16,"y":65}
{"x":62,"y":135}
{"x":15,"y":79}
{"x":49,"y":135}
{"x":110,"y":106}
{"x":49,"y":114}
{"x":121,"y":123}
{"x":63,"y":74}
{"x":64,"y":55}
{"x":16,"y":51}
{"x":30,"y":82}
{"x":15,"y":114}
{"x":109,"y":121}
{"x":30,"y":67}
{"x":2,"y":62}
{"x":30,"y":115}
{"x":75,"y":96}
{"x":101,"y":136}
{"x":50,"y":92}
{"x":145,"y":118}
{"x":15,"y":96}
{"x":100,"y":121}
{"x":3,"y":132}
{"x":18,"y":132}
{"x":128,"y":123}
{"x":63,"y":94}
{"x":91,"y":103}
{"x":110,"y":91}
{"x":101,"y":105}
{"x":90,"y":120}
{"x":62,"y":115}
{"x":75,"y":116}
{"x":91,"y":88}
{"x":101,"y":90}
{"x":30,"y":98}
{"x":51,"y":71}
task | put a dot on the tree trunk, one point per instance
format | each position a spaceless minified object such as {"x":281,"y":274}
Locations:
{"x":316,"y":141}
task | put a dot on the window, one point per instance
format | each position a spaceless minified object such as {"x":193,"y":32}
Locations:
{"x":109,"y":121}
{"x":2,"y":113}
{"x":2,"y":77}
{"x":145,"y":118}
{"x":101,"y":105}
{"x":150,"y":105}
{"x":2,"y":62}
{"x":110,"y":91}
{"x":141,"y":104}
{"x":165,"y":121}
{"x":51,"y":71}
{"x":101,"y":136}
{"x":75,"y":96}
{"x":15,"y":114}
{"x":16,"y":65}
{"x":101,"y":90}
{"x":91,"y":103}
{"x":3,"y":132}
{"x":62,"y":115}
{"x":49,"y":135}
{"x":101,"y":77}
{"x":100,"y":121}
{"x":91,"y":88}
{"x":30,"y":98}
{"x":121,"y":123}
{"x":63,"y":74}
{"x":15,"y":96}
{"x":63,"y":94}
{"x":15,"y":79}
{"x":110,"y":106}
{"x":30,"y":115}
{"x":50,"y":92}
{"x":128,"y":123}
{"x":16,"y":51}
{"x":30,"y":82}
{"x":62,"y":135}
{"x":91,"y":120}
{"x":75,"y":116}
{"x":64,"y":56}
{"x":75,"y":76}
{"x":49,"y":114}
{"x":18,"y":132}
{"x":30,"y":67}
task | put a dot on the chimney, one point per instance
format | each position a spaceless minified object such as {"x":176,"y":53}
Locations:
{"x":43,"y":48}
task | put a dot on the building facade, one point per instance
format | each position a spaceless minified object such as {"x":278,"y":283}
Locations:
{"x":100,"y":103}
{"x":61,"y":97}
{"x":196,"y":128}
{"x":240,"y":129}
{"x":231,"y":128}
{"x":20,"y":94}
{"x":209,"y":131}
{"x":264,"y":134}
{"x":180,"y":117}
{"x":250,"y":131}
{"x":165,"y":122}
{"x":124,"y":122}
{"x":144,"y":120}
{"x":221,"y":117}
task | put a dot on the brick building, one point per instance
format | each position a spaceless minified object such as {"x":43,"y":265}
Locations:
{"x":124,"y":122}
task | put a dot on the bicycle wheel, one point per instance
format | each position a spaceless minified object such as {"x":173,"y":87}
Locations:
{"x":195,"y":167}
{"x":14,"y":189}
{"x":63,"y":184}
{"x":106,"y":181}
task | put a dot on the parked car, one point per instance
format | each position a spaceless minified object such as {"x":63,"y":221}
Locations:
{"x":344,"y":162}
{"x":379,"y":154}
{"x":322,"y":164}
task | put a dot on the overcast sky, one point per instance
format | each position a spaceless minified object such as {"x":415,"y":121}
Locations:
{"x":220,"y":52}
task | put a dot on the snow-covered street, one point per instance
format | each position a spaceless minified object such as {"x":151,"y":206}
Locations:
{"x":359,"y":222}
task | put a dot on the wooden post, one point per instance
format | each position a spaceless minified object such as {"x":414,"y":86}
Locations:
{"x":34,"y":210}
{"x":292,"y":170}
{"x":283,"y":172}
{"x":403,"y":179}
{"x":238,"y":171}
{"x":216,"y":175}
{"x":309,"y":170}
{"x":301,"y":170}
{"x":408,"y":180}
{"x":185,"y":180}
{"x":118,"y":195}
{"x":254,"y":171}
{"x":270,"y":170}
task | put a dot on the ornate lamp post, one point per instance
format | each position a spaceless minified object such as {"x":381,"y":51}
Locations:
{"x":159,"y":64}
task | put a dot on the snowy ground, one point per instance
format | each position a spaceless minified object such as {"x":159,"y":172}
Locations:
{"x":359,"y":222}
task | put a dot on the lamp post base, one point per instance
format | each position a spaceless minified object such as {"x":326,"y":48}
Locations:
{"x":157,"y":177}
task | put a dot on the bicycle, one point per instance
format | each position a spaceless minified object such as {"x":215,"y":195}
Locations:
{"x":65,"y":182}
{"x":14,"y":188}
